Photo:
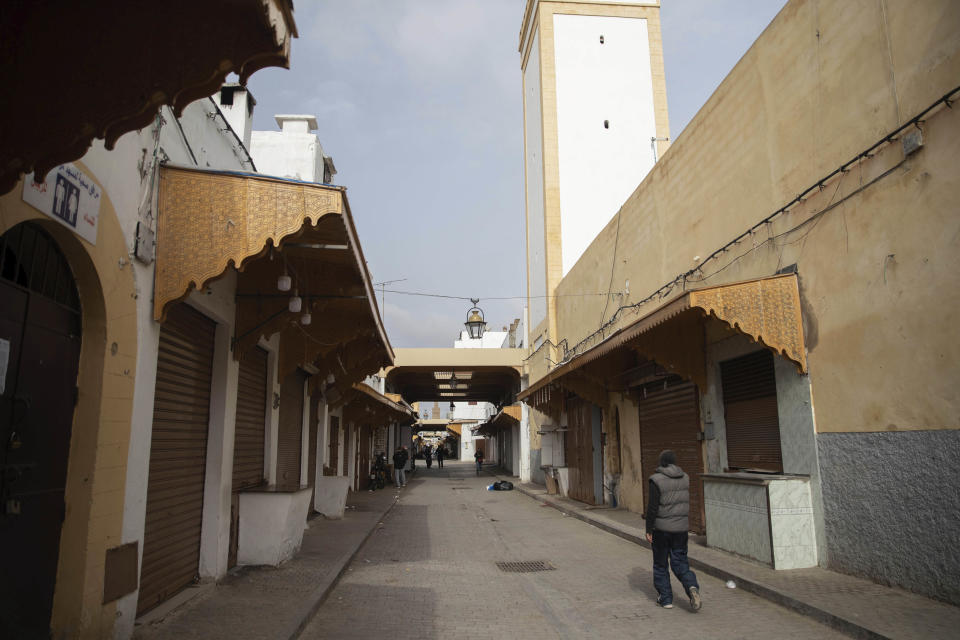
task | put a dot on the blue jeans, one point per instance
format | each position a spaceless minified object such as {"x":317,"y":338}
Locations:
{"x":669,"y":547}
{"x":399,"y":477}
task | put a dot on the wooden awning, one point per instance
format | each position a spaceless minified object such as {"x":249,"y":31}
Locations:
{"x":75,"y":71}
{"x":767,"y":310}
{"x":506,"y":418}
{"x":365,"y":405}
{"x":267,"y":227}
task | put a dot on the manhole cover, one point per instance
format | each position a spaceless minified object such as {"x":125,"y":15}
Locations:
{"x":528,"y":566}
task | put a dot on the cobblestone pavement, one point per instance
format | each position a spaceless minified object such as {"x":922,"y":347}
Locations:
{"x":431,"y":569}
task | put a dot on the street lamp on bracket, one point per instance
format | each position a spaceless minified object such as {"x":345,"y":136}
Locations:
{"x":475,"y":323}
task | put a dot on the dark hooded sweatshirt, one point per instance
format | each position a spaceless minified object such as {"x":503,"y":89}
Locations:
{"x":669,"y":506}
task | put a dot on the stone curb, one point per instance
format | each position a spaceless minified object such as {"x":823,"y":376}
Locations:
{"x":319,"y":595}
{"x":832,"y":620}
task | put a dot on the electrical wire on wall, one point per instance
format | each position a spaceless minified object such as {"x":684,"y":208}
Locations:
{"x":691,"y":275}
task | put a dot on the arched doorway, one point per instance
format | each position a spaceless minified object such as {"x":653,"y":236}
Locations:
{"x":40,"y":329}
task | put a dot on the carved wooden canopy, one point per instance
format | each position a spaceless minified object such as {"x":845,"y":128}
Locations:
{"x":506,"y":418}
{"x":75,"y":71}
{"x":365,"y":405}
{"x":671,"y":339}
{"x":267,"y":228}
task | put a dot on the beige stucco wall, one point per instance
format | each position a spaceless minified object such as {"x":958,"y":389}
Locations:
{"x":100,"y":434}
{"x":877,"y":271}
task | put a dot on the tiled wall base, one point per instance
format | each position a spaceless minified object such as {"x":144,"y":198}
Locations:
{"x":768,"y":518}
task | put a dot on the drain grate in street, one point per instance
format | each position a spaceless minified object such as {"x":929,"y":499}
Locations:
{"x":459,"y":488}
{"x":527,"y":566}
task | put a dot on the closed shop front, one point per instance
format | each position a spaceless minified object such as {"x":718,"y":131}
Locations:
{"x":670,"y":419}
{"x":290,"y":438}
{"x":178,"y":448}
{"x":248,"y":446}
{"x":750,"y":413}
{"x":579,"y":450}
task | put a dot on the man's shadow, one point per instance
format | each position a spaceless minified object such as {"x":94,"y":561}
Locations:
{"x":641,"y":581}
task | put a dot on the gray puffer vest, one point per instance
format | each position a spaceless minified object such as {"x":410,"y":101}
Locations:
{"x":674,"y":511}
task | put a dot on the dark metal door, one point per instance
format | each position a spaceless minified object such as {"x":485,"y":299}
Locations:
{"x":178,"y":454}
{"x":345,"y":467}
{"x":248,"y":442}
{"x":42,"y":342}
{"x":578,"y":450}
{"x":312,"y":450}
{"x":365,"y":442}
{"x":334,"y":446}
{"x":290,"y":439}
{"x":670,"y":419}
{"x":750,"y":412}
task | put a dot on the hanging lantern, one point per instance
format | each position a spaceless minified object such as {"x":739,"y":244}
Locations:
{"x":452,"y":406}
{"x":306,"y":319}
{"x":475,"y":323}
{"x":284,"y":282}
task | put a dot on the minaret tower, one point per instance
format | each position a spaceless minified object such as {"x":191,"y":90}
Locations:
{"x":594,"y":120}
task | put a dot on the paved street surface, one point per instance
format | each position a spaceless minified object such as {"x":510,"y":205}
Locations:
{"x":430,"y":572}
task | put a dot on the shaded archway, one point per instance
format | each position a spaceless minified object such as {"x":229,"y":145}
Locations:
{"x":40,"y":337}
{"x":99,"y":439}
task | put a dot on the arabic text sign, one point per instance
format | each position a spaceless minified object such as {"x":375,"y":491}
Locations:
{"x":69,"y":196}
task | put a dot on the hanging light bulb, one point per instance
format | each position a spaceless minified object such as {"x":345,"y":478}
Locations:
{"x":284,"y":282}
{"x":296,"y":303}
{"x":306,"y":319}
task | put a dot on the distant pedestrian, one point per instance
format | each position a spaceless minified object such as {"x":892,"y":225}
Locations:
{"x":441,"y":454}
{"x":408,"y":458}
{"x":478,"y":456}
{"x":399,"y":462}
{"x":668,"y":525}
{"x":428,"y":456}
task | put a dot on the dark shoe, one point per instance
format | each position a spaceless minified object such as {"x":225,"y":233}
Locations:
{"x":695,"y":601}
{"x":665,"y":605}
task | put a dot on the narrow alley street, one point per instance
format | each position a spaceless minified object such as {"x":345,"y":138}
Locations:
{"x":430,"y":571}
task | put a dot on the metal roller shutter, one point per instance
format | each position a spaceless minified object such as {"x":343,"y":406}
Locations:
{"x":670,"y":419}
{"x":248,"y":447}
{"x":750,"y":412}
{"x":178,"y":449}
{"x":248,"y":443}
{"x":290,"y":438}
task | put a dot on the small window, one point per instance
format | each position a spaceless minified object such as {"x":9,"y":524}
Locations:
{"x":226,"y":96}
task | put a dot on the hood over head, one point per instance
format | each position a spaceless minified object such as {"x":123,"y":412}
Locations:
{"x":671,"y":471}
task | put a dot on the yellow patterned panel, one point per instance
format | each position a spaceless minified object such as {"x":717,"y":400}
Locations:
{"x":209,"y":220}
{"x":768,"y":310}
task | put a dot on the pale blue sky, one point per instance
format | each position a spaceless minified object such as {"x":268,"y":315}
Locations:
{"x":419,"y":103}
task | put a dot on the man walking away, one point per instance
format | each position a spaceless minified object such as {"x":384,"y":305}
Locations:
{"x":428,"y":456}
{"x":667,"y":525}
{"x":441,"y":454}
{"x":399,"y":462}
{"x":478,"y":456}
